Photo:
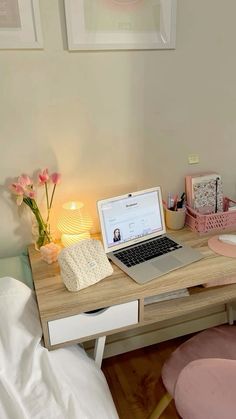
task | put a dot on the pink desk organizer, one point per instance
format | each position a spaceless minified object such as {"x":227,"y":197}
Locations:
{"x":204,"y":223}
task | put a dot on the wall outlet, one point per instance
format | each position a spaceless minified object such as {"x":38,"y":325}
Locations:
{"x":193,"y":158}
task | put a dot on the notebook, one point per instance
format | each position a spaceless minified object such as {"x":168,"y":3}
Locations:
{"x":134,"y":236}
{"x":205,"y":193}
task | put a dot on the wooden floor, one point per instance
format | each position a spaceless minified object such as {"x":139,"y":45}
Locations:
{"x":135,"y":381}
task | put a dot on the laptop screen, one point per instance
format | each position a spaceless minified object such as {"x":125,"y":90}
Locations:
{"x":131,"y":218}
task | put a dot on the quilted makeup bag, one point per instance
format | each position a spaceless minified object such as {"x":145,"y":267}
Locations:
{"x":83,"y":264}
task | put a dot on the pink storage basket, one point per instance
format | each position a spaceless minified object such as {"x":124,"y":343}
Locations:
{"x":211,"y":222}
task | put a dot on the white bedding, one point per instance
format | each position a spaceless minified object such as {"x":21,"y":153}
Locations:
{"x":36,"y":383}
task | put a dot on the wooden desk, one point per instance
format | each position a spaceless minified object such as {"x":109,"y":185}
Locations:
{"x":56,"y":303}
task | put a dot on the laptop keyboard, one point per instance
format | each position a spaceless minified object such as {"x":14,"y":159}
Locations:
{"x":146,"y":251}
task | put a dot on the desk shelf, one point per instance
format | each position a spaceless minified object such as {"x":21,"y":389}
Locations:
{"x":198,"y":299}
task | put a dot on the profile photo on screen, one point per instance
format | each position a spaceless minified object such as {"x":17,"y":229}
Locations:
{"x":116,"y":235}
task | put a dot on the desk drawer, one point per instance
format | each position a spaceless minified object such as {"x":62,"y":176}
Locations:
{"x":84,"y":324}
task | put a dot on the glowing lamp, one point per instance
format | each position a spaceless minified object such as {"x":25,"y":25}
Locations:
{"x":74,"y":223}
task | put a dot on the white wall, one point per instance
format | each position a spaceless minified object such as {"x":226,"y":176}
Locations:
{"x":113,"y":122}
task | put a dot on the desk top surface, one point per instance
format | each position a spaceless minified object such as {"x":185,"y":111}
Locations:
{"x":55,"y":300}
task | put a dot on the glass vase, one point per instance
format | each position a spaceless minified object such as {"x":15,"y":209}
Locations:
{"x":40,"y":231}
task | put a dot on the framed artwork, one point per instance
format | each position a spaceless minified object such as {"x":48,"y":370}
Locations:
{"x":20,"y":24}
{"x":120,"y":24}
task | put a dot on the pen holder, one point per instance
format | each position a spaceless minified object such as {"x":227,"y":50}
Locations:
{"x":175,"y":220}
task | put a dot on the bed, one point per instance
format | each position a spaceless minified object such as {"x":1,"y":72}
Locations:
{"x":36,"y":383}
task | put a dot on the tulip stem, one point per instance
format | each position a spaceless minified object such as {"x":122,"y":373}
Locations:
{"x":53,"y":191}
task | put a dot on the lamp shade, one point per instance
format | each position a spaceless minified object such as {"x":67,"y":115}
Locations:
{"x":74,"y":223}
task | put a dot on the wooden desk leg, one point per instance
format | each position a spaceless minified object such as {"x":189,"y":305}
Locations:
{"x":99,"y":349}
{"x":230,"y":313}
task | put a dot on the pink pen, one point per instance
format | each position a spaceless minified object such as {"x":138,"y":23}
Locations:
{"x":175,"y":202}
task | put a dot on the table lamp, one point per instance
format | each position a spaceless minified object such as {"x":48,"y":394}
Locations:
{"x":74,"y":223}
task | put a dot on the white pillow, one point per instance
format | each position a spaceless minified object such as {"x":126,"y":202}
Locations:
{"x":18,"y":309}
{"x":9,"y":286}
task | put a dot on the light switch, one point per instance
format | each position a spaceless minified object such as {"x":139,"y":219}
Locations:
{"x":193,"y":158}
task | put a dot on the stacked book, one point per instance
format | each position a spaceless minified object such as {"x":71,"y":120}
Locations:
{"x":166,"y":296}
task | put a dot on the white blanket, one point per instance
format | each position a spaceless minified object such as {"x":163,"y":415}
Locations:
{"x":36,"y":383}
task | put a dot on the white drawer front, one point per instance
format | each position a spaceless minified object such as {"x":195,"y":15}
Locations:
{"x":82,"y":325}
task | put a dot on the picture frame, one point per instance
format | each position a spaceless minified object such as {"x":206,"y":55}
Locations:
{"x":20,"y":26}
{"x":120,"y":24}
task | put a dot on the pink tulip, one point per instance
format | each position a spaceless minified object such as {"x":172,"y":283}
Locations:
{"x":30,"y":193}
{"x":17,"y":189}
{"x":55,"y":178}
{"x":43,"y":177}
{"x":24,"y":190}
{"x":24,"y":180}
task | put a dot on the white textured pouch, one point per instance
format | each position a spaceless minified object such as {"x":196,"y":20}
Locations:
{"x":84,"y":264}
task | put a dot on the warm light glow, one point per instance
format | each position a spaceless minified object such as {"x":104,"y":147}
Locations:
{"x":74,"y":223}
{"x":73,"y":205}
{"x":69,"y":239}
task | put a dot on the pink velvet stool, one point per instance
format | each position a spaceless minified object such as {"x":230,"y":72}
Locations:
{"x":201,"y":376}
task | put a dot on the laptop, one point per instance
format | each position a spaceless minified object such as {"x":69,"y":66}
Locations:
{"x":134,"y":236}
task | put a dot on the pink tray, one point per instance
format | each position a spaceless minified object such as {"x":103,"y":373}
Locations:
{"x":202,"y":223}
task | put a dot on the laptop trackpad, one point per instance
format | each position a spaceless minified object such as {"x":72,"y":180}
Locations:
{"x":167,"y":263}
